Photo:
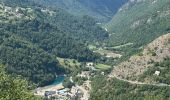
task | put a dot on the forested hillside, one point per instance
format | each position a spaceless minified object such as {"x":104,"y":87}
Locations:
{"x":33,"y":37}
{"x":65,"y":42}
{"x":142,"y":21}
{"x":113,"y":89}
{"x":101,"y":10}
{"x":28,"y":60}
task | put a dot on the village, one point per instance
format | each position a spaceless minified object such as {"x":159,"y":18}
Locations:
{"x":59,"y":92}
{"x":9,"y":13}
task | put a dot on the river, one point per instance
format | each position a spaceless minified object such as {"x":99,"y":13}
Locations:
{"x":58,"y":80}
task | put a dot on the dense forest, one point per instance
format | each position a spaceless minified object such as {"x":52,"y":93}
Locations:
{"x":28,"y":60}
{"x":50,"y":39}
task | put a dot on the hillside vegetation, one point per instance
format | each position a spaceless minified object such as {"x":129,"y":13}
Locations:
{"x":162,"y":67}
{"x":142,"y":21}
{"x":154,"y":57}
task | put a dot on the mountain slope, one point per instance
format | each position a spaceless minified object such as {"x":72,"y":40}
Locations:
{"x":138,"y":77}
{"x":152,"y":57}
{"x":100,"y":9}
{"x":142,"y":21}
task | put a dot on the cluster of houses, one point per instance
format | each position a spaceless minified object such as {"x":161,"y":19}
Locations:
{"x":87,"y":74}
{"x":90,"y":65}
{"x":60,"y":94}
{"x":47,"y":11}
{"x":13,"y":13}
{"x":74,"y":92}
{"x":10,"y":12}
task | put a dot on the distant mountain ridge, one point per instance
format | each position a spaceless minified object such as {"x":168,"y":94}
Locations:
{"x":139,"y":22}
{"x":102,"y":10}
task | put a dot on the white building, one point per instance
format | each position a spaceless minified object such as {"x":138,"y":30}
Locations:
{"x":90,"y":64}
{"x":157,"y":73}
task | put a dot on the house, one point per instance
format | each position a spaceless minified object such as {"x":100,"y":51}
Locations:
{"x":63,"y":92}
{"x":74,"y":93}
{"x":157,"y":73}
{"x":49,"y":94}
{"x":74,"y":90}
{"x":102,"y":73}
{"x":89,"y":64}
{"x":17,"y":9}
{"x":84,"y":74}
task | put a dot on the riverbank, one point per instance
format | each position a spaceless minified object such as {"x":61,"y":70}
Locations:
{"x":41,"y":90}
{"x":55,"y":86}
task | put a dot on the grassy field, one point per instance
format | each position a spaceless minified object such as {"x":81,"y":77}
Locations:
{"x":102,"y":66}
{"x":111,"y":54}
{"x":121,"y":46}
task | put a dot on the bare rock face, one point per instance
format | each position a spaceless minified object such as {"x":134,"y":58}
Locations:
{"x":156,"y":51}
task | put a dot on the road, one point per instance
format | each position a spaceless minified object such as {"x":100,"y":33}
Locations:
{"x":139,"y":83}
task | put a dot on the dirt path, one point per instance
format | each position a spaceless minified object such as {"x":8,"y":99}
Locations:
{"x":139,"y":83}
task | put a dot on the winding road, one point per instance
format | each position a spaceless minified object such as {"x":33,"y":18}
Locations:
{"x":139,"y":83}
